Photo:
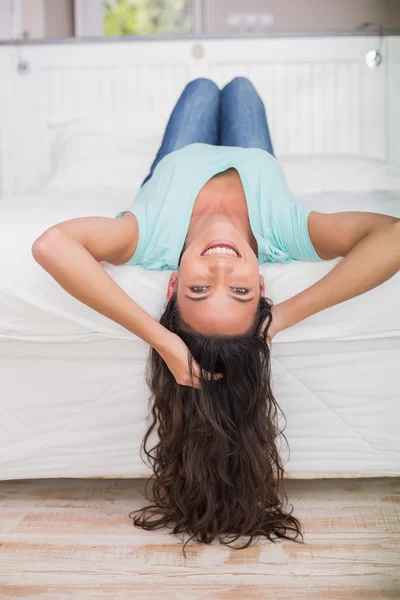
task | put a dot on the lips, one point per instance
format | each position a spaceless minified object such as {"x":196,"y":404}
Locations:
{"x":216,"y":243}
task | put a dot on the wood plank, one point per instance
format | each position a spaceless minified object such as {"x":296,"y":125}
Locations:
{"x":66,"y":539}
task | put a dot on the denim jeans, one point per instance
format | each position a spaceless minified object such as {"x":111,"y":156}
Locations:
{"x":233,"y":116}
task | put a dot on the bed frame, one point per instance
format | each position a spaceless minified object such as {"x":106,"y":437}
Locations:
{"x":320,"y":95}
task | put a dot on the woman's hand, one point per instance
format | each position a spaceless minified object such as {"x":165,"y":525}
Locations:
{"x":176,"y":355}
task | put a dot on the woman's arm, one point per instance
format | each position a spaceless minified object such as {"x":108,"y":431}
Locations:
{"x":335,"y":234}
{"x":107,"y":239}
{"x":374,"y":259}
{"x":70,"y":252}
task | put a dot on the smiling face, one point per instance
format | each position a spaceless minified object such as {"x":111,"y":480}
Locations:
{"x":218,"y":290}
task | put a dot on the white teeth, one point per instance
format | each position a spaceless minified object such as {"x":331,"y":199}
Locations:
{"x":221,"y":250}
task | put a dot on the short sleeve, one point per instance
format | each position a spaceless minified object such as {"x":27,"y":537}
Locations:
{"x":289,"y":222}
{"x":136,"y":258}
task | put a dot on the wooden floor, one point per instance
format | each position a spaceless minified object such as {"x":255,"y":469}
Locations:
{"x":70,"y":539}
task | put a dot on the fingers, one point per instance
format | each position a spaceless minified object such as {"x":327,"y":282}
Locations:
{"x":211,"y":376}
{"x":196,"y":383}
{"x":205,"y":374}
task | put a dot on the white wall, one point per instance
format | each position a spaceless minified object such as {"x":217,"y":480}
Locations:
{"x":89,"y":18}
{"x":5,"y":19}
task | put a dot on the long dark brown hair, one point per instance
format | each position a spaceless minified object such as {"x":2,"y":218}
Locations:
{"x":217,"y":472}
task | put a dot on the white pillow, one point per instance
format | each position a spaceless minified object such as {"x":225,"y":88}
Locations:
{"x":99,"y":154}
{"x":310,"y":174}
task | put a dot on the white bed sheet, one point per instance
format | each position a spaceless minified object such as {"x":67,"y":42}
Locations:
{"x":73,"y":401}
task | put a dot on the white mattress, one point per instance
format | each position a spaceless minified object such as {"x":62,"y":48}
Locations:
{"x":73,"y":402}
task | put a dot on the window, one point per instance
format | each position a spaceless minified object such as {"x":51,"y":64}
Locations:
{"x":147,"y":17}
{"x":136,"y":17}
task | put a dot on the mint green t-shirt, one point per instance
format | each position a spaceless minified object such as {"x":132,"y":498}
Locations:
{"x":164,"y":205}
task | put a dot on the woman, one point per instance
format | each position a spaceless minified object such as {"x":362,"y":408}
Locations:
{"x":214,"y":206}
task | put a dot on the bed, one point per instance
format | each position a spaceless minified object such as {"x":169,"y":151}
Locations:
{"x":73,"y":400}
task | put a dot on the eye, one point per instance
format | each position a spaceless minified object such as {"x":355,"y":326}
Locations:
{"x":241,"y":290}
{"x":199,"y":289}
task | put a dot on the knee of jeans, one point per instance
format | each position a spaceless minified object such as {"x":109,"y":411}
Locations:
{"x":239,"y":83}
{"x":202,"y":85}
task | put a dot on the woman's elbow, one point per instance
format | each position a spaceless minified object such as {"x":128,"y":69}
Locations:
{"x":44,"y":245}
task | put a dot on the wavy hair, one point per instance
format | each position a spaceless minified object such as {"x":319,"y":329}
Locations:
{"x":217,"y":472}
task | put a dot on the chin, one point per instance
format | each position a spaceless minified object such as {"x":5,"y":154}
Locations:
{"x":220,"y":227}
{"x":223,"y":231}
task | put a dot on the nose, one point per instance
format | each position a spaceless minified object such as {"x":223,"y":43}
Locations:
{"x":224,"y":263}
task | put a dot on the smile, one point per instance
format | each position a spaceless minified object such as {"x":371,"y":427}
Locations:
{"x":218,"y":248}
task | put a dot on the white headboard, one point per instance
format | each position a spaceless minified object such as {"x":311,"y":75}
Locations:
{"x":320,"y":96}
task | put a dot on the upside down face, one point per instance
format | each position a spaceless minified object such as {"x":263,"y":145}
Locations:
{"x":218,"y":285}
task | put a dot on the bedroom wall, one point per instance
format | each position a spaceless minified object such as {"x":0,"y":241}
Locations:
{"x":54,"y":19}
{"x":33,"y":19}
{"x":49,"y":19}
{"x":306,"y":15}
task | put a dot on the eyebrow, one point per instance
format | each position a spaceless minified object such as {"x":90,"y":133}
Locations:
{"x":233,"y":297}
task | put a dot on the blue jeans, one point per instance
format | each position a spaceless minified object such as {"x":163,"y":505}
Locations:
{"x":233,"y":116}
